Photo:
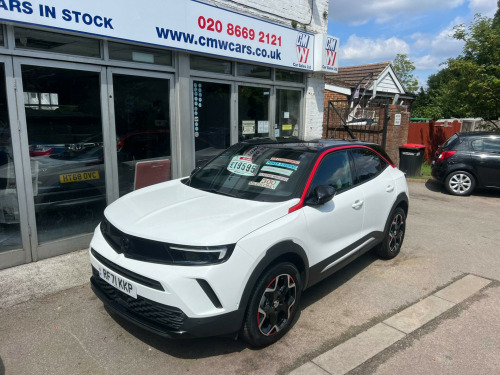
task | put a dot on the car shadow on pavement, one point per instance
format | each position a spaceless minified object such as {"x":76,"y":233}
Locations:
{"x":215,"y":346}
{"x":2,"y":367}
{"x":182,"y":348}
{"x":339,"y":278}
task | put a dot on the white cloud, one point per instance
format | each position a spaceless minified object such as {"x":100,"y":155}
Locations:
{"x":485,"y":7}
{"x":345,"y":11}
{"x":363,"y":50}
{"x":440,"y":46}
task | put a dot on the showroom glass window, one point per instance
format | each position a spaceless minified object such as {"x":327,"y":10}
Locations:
{"x":57,"y":43}
{"x":212,"y":119}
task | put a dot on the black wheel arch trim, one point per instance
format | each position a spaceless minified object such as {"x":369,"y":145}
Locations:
{"x":285,"y":251}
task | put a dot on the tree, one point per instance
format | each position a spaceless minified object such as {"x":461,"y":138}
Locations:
{"x":469,"y":86}
{"x":404,"y":69}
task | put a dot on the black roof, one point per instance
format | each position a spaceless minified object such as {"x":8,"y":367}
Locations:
{"x":317,"y":144}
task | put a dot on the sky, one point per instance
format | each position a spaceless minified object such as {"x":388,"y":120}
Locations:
{"x":376,"y":30}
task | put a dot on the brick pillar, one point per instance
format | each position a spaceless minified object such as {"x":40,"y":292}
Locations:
{"x":396,"y":134}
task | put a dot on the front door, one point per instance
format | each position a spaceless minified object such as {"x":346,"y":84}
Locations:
{"x":141,"y":123}
{"x":63,"y":153}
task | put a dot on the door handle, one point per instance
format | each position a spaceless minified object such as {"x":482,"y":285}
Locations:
{"x":389,"y":189}
{"x":357,"y":204}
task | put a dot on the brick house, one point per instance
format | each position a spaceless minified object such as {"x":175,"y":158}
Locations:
{"x":371,"y":100}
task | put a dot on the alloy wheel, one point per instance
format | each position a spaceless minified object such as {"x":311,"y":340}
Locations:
{"x":276,"y":304}
{"x":396,"y":233}
{"x":460,"y":183}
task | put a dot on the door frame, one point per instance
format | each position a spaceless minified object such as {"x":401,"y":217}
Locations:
{"x":22,"y":255}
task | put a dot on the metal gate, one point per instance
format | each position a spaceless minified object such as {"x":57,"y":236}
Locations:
{"x":362,"y":121}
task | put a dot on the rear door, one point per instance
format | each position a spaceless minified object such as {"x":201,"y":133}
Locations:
{"x":486,"y":156}
{"x":374,"y":176}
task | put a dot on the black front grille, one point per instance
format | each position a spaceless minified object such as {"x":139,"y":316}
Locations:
{"x":155,"y":251}
{"x":142,"y":309}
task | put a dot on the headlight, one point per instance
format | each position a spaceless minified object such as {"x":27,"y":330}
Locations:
{"x":161,"y":252}
{"x":196,"y":255}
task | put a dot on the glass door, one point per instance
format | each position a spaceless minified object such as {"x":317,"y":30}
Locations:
{"x":63,"y":153}
{"x":141,"y":122}
{"x":253,"y":112}
{"x":288,"y":114}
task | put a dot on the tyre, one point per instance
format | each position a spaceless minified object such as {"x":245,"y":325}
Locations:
{"x":273,"y":305}
{"x":460,"y":183}
{"x":394,"y":235}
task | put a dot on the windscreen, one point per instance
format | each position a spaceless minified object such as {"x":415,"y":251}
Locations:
{"x":269,"y":173}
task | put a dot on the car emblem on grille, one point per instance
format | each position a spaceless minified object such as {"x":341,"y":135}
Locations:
{"x":124,"y":244}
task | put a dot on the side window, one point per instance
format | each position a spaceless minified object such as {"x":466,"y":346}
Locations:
{"x":334,"y":170}
{"x":367,"y":164}
{"x":477,"y":145}
{"x":491,"y":145}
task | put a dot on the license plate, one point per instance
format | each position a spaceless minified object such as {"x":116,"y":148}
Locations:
{"x":78,"y":176}
{"x":118,"y":282}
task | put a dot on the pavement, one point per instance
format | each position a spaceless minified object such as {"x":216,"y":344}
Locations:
{"x":433,"y":309}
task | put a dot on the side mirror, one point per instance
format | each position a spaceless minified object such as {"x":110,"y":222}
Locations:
{"x":321,"y":194}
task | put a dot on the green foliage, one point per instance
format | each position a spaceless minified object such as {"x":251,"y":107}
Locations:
{"x":470,"y":84}
{"x":404,"y":69}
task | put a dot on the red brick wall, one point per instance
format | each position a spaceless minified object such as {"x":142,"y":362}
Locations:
{"x":397,"y":135}
{"x":431,"y":134}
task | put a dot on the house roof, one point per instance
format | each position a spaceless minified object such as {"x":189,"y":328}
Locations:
{"x":349,"y":76}
{"x":384,"y":78}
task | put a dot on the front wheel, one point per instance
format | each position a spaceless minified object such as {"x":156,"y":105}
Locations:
{"x":460,"y":183}
{"x":273,"y":305}
{"x":394,"y":235}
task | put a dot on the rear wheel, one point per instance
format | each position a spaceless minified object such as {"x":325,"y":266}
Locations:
{"x":460,"y":183}
{"x":273,"y":305}
{"x":394,"y":235}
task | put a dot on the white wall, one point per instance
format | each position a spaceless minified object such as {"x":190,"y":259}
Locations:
{"x":308,"y":13}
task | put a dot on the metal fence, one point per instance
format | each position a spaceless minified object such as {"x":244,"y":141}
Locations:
{"x":364,"y":121}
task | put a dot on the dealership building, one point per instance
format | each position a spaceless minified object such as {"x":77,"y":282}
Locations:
{"x":98,"y":98}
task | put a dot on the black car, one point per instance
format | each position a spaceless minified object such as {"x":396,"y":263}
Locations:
{"x":468,"y":160}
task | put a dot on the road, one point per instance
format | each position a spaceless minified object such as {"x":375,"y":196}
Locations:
{"x":70,"y":332}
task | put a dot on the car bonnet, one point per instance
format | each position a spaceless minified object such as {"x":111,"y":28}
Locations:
{"x":175,"y":213}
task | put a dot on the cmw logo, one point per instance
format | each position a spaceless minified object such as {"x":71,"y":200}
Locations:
{"x":303,"y":47}
{"x":330,"y":49}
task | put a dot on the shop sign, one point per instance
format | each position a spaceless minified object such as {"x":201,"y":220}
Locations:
{"x":183,"y":24}
{"x":326,"y":59}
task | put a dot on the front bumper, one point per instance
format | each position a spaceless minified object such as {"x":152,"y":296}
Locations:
{"x":174,"y":301}
{"x":166,"y":321}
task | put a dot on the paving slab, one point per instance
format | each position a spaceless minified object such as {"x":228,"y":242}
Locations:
{"x":358,"y":349}
{"x":419,"y":314}
{"x":309,"y":368}
{"x":463,"y":288}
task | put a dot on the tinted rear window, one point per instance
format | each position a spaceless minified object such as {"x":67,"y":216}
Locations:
{"x":450,"y":142}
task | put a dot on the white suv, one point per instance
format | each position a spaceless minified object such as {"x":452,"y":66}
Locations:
{"x":231,"y":248}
